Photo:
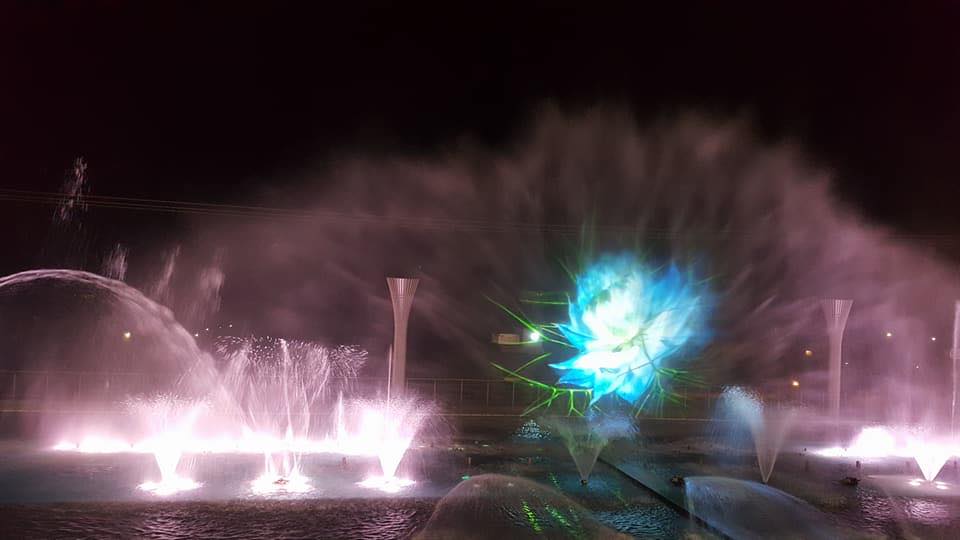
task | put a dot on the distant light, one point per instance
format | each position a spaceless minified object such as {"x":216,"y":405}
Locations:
{"x":209,"y":330}
{"x":933,"y":338}
{"x":846,"y":363}
{"x":918,"y":366}
{"x":196,"y":334}
{"x":230,"y":325}
{"x":889,"y":334}
{"x":794,"y":383}
{"x":127,"y":335}
{"x":534,"y":336}
{"x":465,"y":477}
{"x":807,"y":352}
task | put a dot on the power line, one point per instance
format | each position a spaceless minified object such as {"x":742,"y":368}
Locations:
{"x":273,"y":213}
{"x":359,"y":218}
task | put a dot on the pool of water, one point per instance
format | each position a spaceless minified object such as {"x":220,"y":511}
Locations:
{"x":890,"y":500}
{"x":50,"y":494}
{"x":305,"y":518}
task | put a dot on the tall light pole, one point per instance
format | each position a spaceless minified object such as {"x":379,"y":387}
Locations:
{"x":836,"y":312}
{"x":401,"y":296}
{"x":955,"y":355}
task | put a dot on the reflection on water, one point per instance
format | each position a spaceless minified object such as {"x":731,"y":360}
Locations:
{"x":897,"y":515}
{"x":926,"y":511}
{"x":373,"y":519}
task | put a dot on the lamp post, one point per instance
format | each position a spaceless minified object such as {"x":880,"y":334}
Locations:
{"x":836,"y":312}
{"x":401,"y":297}
{"x":954,"y":356}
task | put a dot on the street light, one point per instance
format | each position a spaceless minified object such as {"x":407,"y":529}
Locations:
{"x":795,"y":383}
{"x":807,"y":352}
{"x":888,"y":334}
{"x":127,"y":335}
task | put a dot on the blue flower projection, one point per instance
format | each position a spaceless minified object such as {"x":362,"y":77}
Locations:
{"x":626,"y":321}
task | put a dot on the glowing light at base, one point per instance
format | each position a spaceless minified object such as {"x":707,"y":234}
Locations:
{"x":383,"y":429}
{"x":267,"y":484}
{"x":871,"y":442}
{"x":169,"y":486}
{"x":930,"y":457}
{"x":936,"y":484}
{"x":877,"y":442}
{"x":387,"y":484}
{"x":626,"y":320}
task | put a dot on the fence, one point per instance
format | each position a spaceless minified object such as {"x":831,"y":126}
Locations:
{"x":36,"y":390}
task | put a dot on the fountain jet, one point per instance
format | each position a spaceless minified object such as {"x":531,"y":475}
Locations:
{"x":767,"y":429}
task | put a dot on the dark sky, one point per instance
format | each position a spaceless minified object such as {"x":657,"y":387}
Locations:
{"x":220,"y":102}
{"x":168,"y":99}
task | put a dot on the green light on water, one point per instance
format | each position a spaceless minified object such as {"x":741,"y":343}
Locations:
{"x":558,"y":515}
{"x":556,"y":482}
{"x":619,"y":496}
{"x":531,"y":517}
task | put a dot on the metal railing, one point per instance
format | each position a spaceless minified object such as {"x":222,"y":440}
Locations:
{"x":35,"y":390}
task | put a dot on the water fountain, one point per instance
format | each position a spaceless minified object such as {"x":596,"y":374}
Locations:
{"x":500,"y":506}
{"x":585,"y":437}
{"x":275,"y":387}
{"x":743,"y":509}
{"x":288,"y":400}
{"x":926,"y":447}
{"x":930,"y":456}
{"x":278,"y":398}
{"x":954,"y":374}
{"x":167,"y":423}
{"x":389,"y":426}
{"x":151,"y":325}
{"x":768,"y":429}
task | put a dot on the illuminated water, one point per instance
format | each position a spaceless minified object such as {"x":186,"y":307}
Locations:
{"x":585,"y":437}
{"x":768,"y":429}
{"x":46,"y":494}
{"x":891,"y":500}
{"x":304,"y":519}
{"x":929,"y":449}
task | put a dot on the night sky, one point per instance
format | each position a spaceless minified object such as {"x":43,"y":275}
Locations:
{"x":223,"y":102}
{"x":202,"y":103}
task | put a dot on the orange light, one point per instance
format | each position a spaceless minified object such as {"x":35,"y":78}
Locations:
{"x":794,"y":383}
{"x":807,"y":352}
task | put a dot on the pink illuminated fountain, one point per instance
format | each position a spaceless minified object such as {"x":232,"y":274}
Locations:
{"x":390,"y":426}
{"x":168,"y":423}
{"x":277,"y":388}
{"x":930,"y":451}
{"x":281,"y":399}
